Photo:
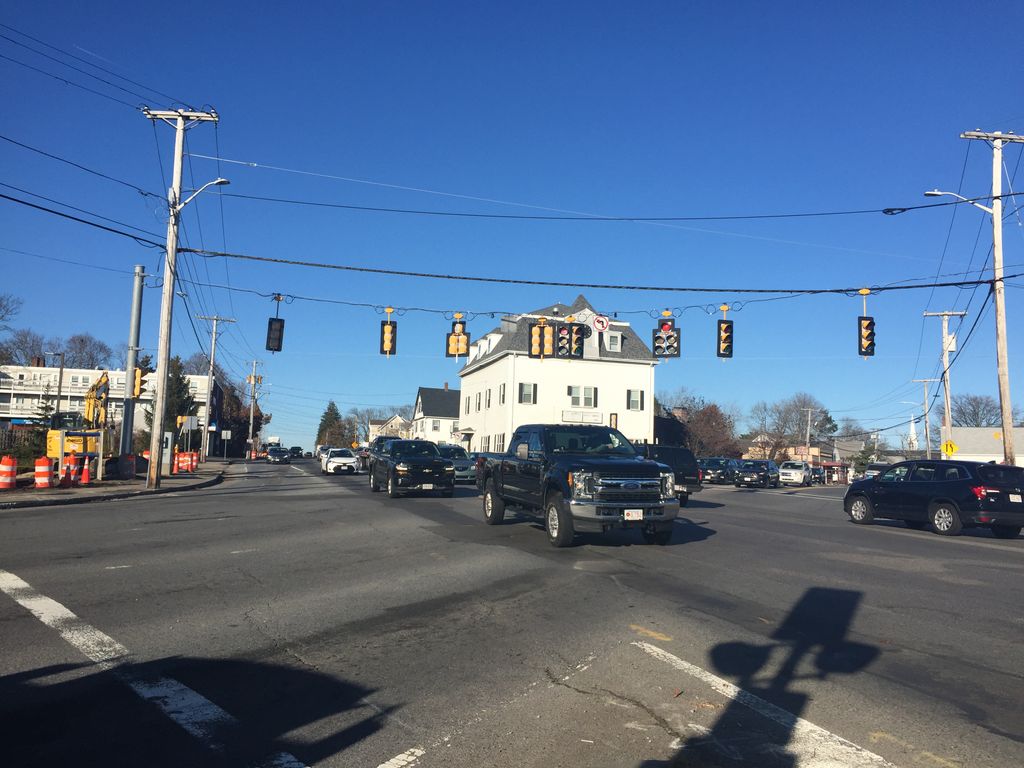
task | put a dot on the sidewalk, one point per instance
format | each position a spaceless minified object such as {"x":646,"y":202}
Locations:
{"x":209,"y":474}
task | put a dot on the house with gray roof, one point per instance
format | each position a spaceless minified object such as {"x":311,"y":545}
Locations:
{"x":436,"y":414}
{"x":503,"y":387}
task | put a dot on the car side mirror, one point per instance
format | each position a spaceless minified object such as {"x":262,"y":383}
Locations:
{"x":522,"y":451}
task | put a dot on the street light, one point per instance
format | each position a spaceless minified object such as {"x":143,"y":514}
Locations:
{"x":998,"y":299}
{"x":163,"y":357}
{"x":60,"y":380}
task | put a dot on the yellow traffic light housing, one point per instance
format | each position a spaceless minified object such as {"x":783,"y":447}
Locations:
{"x":725,"y":338}
{"x":457,"y":342}
{"x":137,"y":389}
{"x":577,"y":337}
{"x":866,"y":336}
{"x":388,"y":337}
{"x":542,"y":339}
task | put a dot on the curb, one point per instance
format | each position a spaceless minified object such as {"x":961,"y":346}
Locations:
{"x":216,"y":479}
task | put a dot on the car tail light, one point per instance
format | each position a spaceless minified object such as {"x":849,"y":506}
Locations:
{"x":700,"y":475}
{"x":982,"y":492}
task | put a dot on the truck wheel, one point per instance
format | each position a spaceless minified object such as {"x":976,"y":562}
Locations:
{"x":393,"y":491}
{"x":374,"y":485}
{"x":683,"y":498}
{"x":557,"y":521}
{"x":494,"y":505}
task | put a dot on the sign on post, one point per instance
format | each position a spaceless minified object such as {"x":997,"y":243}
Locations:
{"x":949,"y":447}
{"x":225,"y":434}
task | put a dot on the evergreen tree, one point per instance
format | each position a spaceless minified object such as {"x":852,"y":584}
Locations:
{"x":332,"y":429}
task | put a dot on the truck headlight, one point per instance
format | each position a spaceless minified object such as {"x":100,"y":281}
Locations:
{"x":582,"y":484}
{"x":449,"y":467}
{"x":668,"y":485}
{"x":401,"y":467}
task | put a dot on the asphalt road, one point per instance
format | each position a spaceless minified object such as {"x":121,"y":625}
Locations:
{"x":285,"y":619}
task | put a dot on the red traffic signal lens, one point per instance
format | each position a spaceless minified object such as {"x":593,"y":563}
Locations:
{"x":666,"y":325}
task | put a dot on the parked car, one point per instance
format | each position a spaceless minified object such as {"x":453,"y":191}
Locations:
{"x":278,"y":455}
{"x":682,"y":463}
{"x":874,"y":469}
{"x":583,"y":477}
{"x":479,"y":459}
{"x":795,"y":473}
{"x":339,"y":460}
{"x":757,"y":472}
{"x":295,"y":451}
{"x":719,"y":470}
{"x":818,"y":475}
{"x":308,"y":455}
{"x":465,"y":469}
{"x":411,"y":465}
{"x":948,"y":495}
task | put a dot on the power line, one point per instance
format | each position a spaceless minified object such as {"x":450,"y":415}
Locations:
{"x":136,"y":238}
{"x":69,"y":82}
{"x":66,"y":261}
{"x":74,"y":208}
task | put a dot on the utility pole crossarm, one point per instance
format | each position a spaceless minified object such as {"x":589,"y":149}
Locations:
{"x":1012,"y":138}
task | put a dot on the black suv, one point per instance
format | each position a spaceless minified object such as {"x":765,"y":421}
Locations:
{"x":412,"y":465}
{"x":682,"y":463}
{"x":757,"y":472}
{"x":719,"y":470}
{"x":948,"y":495}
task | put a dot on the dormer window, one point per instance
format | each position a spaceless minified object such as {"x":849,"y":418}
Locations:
{"x":613,"y":341}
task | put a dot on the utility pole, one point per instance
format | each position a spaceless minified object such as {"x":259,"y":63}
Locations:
{"x":252,"y":406}
{"x":927,"y":424}
{"x":182,"y":120}
{"x":947,"y":417}
{"x":808,"y":441}
{"x":135,"y":322}
{"x":205,"y":449}
{"x":1002,"y":364}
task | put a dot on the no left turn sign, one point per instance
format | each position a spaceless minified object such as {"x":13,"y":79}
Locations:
{"x":600,"y":323}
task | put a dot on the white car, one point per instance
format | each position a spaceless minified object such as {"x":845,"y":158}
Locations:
{"x":339,"y":460}
{"x":795,"y":473}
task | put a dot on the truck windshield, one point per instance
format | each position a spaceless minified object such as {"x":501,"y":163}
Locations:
{"x":588,"y":440}
{"x":411,"y":448}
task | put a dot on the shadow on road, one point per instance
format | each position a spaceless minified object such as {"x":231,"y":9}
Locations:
{"x":811,"y":645}
{"x":58,"y":716}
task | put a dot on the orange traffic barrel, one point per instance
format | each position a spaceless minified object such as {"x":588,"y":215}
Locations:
{"x":145,"y":455}
{"x":8,"y":473}
{"x":44,"y":473}
{"x":194,"y":462}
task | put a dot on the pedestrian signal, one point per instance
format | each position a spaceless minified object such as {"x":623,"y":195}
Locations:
{"x":275,"y":334}
{"x":866,"y":336}
{"x":388,"y":337}
{"x":666,"y":339}
{"x":725,"y":338}
{"x":542,"y":340}
{"x":457,"y":342}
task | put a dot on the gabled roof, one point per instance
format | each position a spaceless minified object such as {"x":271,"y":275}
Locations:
{"x":437,"y":403}
{"x":632,"y":347}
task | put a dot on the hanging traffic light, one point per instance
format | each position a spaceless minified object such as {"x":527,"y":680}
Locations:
{"x":457,"y":342}
{"x":725,"y":338}
{"x":666,"y":339}
{"x":577,"y":335}
{"x":866,"y":336}
{"x":563,"y":340}
{"x":388,"y":337}
{"x":275,"y":334}
{"x":542,"y":340}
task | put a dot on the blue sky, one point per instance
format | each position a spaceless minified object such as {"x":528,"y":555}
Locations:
{"x":625,"y":109}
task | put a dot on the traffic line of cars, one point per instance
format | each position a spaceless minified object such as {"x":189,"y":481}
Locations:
{"x":759,"y":473}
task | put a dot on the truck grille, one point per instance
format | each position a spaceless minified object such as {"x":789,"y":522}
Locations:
{"x":628,"y":490}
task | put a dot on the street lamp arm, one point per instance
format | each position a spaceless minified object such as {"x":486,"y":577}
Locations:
{"x":190,"y":198}
{"x":937,"y":193}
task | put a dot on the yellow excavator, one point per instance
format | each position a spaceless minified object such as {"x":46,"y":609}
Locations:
{"x":92,"y":418}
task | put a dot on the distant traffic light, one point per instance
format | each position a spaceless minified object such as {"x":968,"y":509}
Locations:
{"x":138,"y":387}
{"x":666,"y":339}
{"x":577,"y":335}
{"x":866,"y":336}
{"x":457,"y":342}
{"x":725,"y":338}
{"x":388,"y":337}
{"x":275,"y":334}
{"x":564,"y":332}
{"x":542,"y":340}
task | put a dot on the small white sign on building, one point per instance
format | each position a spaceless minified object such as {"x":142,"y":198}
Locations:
{"x":582,"y":417}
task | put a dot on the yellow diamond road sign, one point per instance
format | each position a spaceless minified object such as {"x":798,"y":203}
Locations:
{"x":949,"y":448}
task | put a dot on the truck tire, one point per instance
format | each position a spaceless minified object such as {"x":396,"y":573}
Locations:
{"x":683,"y":499}
{"x":374,"y":485}
{"x":557,"y":520}
{"x":494,"y":505}
{"x":393,"y":491}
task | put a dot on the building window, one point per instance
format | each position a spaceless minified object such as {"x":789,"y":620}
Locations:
{"x":436,"y":425}
{"x":528,"y":394}
{"x":501,"y":394}
{"x":499,"y":442}
{"x":585,"y":397}
{"x":613,"y":341}
{"x":467,"y":403}
{"x":634,"y":399}
{"x":478,"y":396}
{"x":487,"y":402}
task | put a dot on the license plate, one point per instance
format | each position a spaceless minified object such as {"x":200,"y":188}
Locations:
{"x":634,"y":514}
{"x":1015,"y":498}
{"x":681,"y":488}
{"x":427,"y":486}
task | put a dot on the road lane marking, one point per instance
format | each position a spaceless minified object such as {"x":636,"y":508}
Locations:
{"x":115,"y":567}
{"x":809,"y":743}
{"x":649,"y":633}
{"x":190,"y":710}
{"x":243,"y":551}
{"x":408,"y":758}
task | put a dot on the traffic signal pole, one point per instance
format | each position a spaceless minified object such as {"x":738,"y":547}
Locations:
{"x":128,"y":420}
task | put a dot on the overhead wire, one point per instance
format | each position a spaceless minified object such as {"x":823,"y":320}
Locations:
{"x":69,"y":82}
{"x":79,"y":210}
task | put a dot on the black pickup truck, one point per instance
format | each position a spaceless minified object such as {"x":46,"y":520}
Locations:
{"x":584,"y":478}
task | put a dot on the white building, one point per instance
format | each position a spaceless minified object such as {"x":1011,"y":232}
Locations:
{"x":985,"y":444}
{"x":436,"y":415}
{"x":396,"y":426}
{"x":503,"y":388}
{"x":24,"y":388}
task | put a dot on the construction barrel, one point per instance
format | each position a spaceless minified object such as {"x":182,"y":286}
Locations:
{"x":8,"y":473}
{"x":44,"y":473}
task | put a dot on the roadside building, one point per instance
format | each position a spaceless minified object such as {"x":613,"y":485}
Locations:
{"x":503,"y":387}
{"x":436,"y":414}
{"x":985,"y":444}
{"x":396,"y":426}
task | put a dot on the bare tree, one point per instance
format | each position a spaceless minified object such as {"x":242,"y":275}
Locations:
{"x":23,"y":345}
{"x":782,"y":424}
{"x":9,"y":307}
{"x":84,"y":350}
{"x":978,"y":411}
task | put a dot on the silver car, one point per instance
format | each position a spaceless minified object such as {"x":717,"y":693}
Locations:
{"x":795,"y":473}
{"x":465,"y":469}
